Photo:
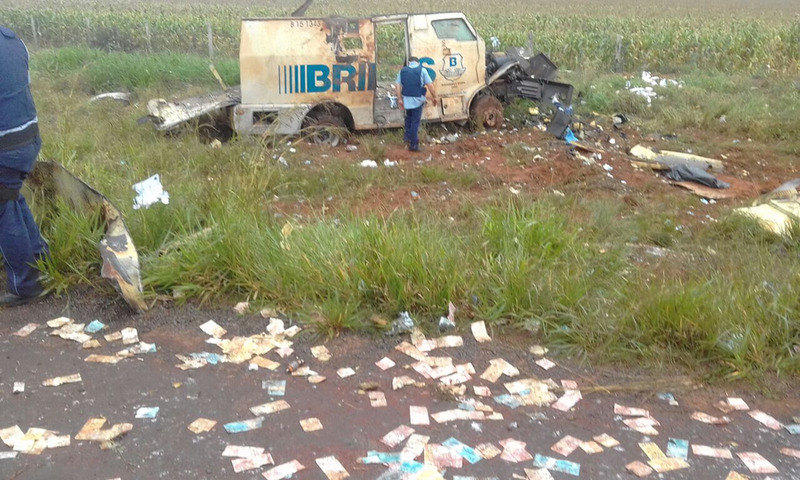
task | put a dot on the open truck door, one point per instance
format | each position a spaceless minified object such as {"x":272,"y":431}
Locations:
{"x":120,"y":259}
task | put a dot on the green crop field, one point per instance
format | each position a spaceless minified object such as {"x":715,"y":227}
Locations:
{"x":334,"y":244}
{"x":725,"y":35}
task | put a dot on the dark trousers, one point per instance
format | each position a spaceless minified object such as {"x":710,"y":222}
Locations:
{"x":20,"y":241}
{"x":413,"y":117}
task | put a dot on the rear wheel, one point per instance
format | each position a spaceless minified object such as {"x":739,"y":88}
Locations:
{"x":486,"y":112}
{"x":325,"y":129}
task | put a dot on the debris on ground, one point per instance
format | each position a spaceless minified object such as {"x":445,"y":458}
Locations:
{"x":149,"y":192}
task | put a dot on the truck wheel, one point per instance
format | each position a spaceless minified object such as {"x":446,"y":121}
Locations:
{"x":325,"y":129}
{"x":486,"y":112}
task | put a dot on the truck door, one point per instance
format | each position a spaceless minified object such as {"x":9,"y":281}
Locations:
{"x":391,"y":52}
{"x":454,"y":55}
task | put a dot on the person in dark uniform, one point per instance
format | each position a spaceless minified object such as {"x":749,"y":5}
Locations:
{"x":21,"y":243}
{"x":413,"y":82}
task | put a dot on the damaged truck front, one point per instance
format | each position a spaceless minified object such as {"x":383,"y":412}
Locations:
{"x":328,"y":75}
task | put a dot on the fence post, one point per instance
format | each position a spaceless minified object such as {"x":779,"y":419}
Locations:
{"x":530,"y":44}
{"x":35,"y":35}
{"x":618,"y":60}
{"x":147,"y":37}
{"x":88,"y":31}
{"x":210,"y":41}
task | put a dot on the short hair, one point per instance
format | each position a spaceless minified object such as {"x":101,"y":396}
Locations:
{"x":413,"y":59}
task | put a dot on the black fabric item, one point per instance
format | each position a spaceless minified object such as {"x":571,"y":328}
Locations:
{"x":685,"y":173}
{"x":12,"y":141}
{"x":8,"y":194}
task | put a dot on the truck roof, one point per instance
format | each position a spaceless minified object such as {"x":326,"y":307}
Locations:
{"x":392,"y":16}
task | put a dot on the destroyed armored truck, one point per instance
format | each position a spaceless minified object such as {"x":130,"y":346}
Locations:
{"x":328,"y":75}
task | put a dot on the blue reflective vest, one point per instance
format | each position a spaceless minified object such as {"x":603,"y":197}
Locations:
{"x":411,"y":79}
{"x":16,"y":102}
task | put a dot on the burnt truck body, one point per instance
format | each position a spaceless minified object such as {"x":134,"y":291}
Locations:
{"x":298,"y":73}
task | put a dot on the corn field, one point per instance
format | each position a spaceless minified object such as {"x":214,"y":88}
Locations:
{"x":585,"y":36}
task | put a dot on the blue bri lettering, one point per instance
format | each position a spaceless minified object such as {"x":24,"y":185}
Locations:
{"x":349,"y":78}
{"x":318,"y":78}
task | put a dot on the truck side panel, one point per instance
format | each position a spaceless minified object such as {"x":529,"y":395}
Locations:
{"x":306,"y":62}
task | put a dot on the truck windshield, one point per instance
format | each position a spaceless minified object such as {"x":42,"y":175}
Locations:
{"x":453,"y":28}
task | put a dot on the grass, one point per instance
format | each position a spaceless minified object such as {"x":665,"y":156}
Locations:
{"x":569,"y":268}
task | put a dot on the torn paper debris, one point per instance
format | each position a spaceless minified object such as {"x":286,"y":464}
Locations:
{"x":345,"y":372}
{"x":479,"y":332}
{"x":148,"y":192}
{"x":264,"y":363}
{"x":26,"y":330}
{"x":201,"y":425}
{"x":129,"y":336}
{"x":72,"y":331}
{"x":111,"y":359}
{"x":93,"y":343}
{"x":54,"y":382}
{"x":404,"y":381}
{"x":213,"y":329}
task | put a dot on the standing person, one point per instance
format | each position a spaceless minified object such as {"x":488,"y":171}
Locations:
{"x":21,"y":244}
{"x":411,"y":89}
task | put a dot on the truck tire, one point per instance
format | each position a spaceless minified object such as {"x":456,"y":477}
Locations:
{"x":486,"y":112}
{"x":325,"y":129}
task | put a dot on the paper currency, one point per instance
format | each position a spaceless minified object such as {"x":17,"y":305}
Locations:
{"x":514,"y":451}
{"x":415,"y":446}
{"x":652,"y":450}
{"x":766,"y":419}
{"x":662,"y":465}
{"x":201,"y":425}
{"x":442,"y":457}
{"x":252,"y":462}
{"x":563,"y":466}
{"x":396,"y":436}
{"x":732,"y":404}
{"x":677,"y":448}
{"x":791,"y":452}
{"x":345,"y":372}
{"x":418,"y":415}
{"x":129,"y":336}
{"x":331,"y":467}
{"x":706,"y":418}
{"x":264,"y":363}
{"x":59,"y":322}
{"x":468,"y":453}
{"x":630,"y":412}
{"x":147,"y":412}
{"x":736,"y":476}
{"x":311,"y":424}
{"x":285,"y":470}
{"x":639,"y":469}
{"x":482,"y":391}
{"x":488,"y":450}
{"x":241,"y":451}
{"x":377,"y":399}
{"x":479,"y":332}
{"x":705,"y":451}
{"x":270,"y":407}
{"x":94,"y":326}
{"x":274,"y":388}
{"x":567,"y":401}
{"x":756,"y":463}
{"x":321,"y":353}
{"x":110,"y":359}
{"x":566,"y":445}
{"x":19,"y":387}
{"x":538,"y":474}
{"x":591,"y":447}
{"x":245,"y":425}
{"x":606,"y":440}
{"x":545,"y":364}
{"x":385,"y":363}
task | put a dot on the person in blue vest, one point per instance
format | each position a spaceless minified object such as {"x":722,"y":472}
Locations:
{"x":413,"y":82}
{"x":21,"y":243}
